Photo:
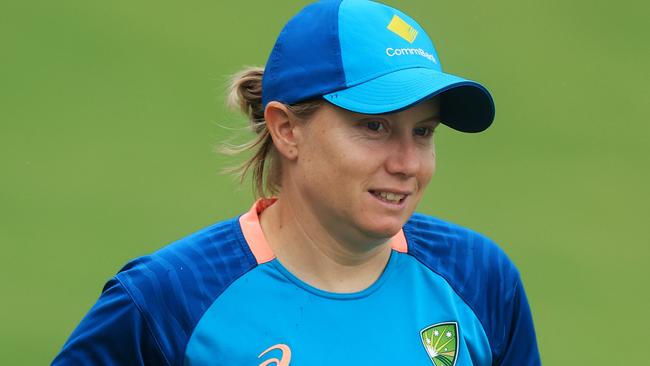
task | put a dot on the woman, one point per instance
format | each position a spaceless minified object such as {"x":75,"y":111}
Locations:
{"x":334,"y":268}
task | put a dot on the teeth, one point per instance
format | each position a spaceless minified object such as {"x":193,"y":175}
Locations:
{"x":392,"y":197}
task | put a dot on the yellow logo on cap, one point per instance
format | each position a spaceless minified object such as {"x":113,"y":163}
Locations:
{"x":398,"y":26}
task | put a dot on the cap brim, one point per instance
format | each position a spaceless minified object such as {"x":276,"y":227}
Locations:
{"x":465,"y":105}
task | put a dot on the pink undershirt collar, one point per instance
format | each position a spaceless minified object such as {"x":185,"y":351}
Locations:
{"x":252,"y":230}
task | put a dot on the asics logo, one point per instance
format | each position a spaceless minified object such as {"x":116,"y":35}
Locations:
{"x":284,"y":359}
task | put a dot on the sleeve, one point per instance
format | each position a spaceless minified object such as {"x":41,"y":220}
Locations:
{"x":114,"y":332}
{"x":520,"y":346}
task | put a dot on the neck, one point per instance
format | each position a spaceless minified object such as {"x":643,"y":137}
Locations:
{"x":324,"y":258}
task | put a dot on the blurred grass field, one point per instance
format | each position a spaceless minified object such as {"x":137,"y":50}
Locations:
{"x":110,"y":112}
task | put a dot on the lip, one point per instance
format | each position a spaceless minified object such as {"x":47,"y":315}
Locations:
{"x":391,"y":190}
{"x":392,"y":205}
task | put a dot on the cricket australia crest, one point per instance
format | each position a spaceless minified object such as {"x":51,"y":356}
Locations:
{"x":441,"y":343}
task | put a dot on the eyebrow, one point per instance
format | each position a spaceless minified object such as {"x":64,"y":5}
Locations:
{"x":435,"y":118}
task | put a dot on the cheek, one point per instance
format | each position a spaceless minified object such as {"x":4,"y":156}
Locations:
{"x":339,"y":155}
{"x":331,"y":164}
{"x":428,"y":168}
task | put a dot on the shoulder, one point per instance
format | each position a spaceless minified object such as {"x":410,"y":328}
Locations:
{"x":474,"y":267}
{"x":148,"y":310}
{"x":215,"y":253}
{"x":455,"y":250}
{"x":174,"y":286}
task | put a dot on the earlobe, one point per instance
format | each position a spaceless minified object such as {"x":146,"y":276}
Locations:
{"x":281,"y":125}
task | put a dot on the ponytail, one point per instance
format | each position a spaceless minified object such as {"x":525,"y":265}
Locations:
{"x":245,"y":95}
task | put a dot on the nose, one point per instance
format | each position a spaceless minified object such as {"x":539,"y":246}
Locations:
{"x":403,"y":157}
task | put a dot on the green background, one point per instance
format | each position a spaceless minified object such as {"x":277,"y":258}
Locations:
{"x":110,"y":112}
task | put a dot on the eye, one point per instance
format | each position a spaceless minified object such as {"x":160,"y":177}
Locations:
{"x":375,"y":126}
{"x":423,"y":131}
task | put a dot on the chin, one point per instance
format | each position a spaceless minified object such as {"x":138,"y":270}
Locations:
{"x":384,"y":230}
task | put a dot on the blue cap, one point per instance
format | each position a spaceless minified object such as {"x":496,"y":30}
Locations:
{"x":368,"y":58}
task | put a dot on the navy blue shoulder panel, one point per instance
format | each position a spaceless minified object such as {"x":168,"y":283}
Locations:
{"x":485,"y":278}
{"x":174,"y":286}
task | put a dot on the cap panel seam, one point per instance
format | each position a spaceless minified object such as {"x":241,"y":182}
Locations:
{"x":337,"y":46}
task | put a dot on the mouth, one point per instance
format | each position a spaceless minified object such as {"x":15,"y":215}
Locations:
{"x":389,"y":197}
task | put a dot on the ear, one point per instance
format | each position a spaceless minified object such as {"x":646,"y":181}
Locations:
{"x":282,"y":127}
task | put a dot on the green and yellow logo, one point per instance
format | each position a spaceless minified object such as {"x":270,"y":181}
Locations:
{"x":398,"y":26}
{"x":441,"y":343}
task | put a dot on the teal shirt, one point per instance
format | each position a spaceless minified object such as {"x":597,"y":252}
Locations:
{"x":448,"y":296}
{"x":381,"y":325}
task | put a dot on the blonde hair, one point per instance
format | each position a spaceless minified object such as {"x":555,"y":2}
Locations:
{"x":245,"y":95}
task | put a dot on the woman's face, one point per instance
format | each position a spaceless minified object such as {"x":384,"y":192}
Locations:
{"x":363,"y":175}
